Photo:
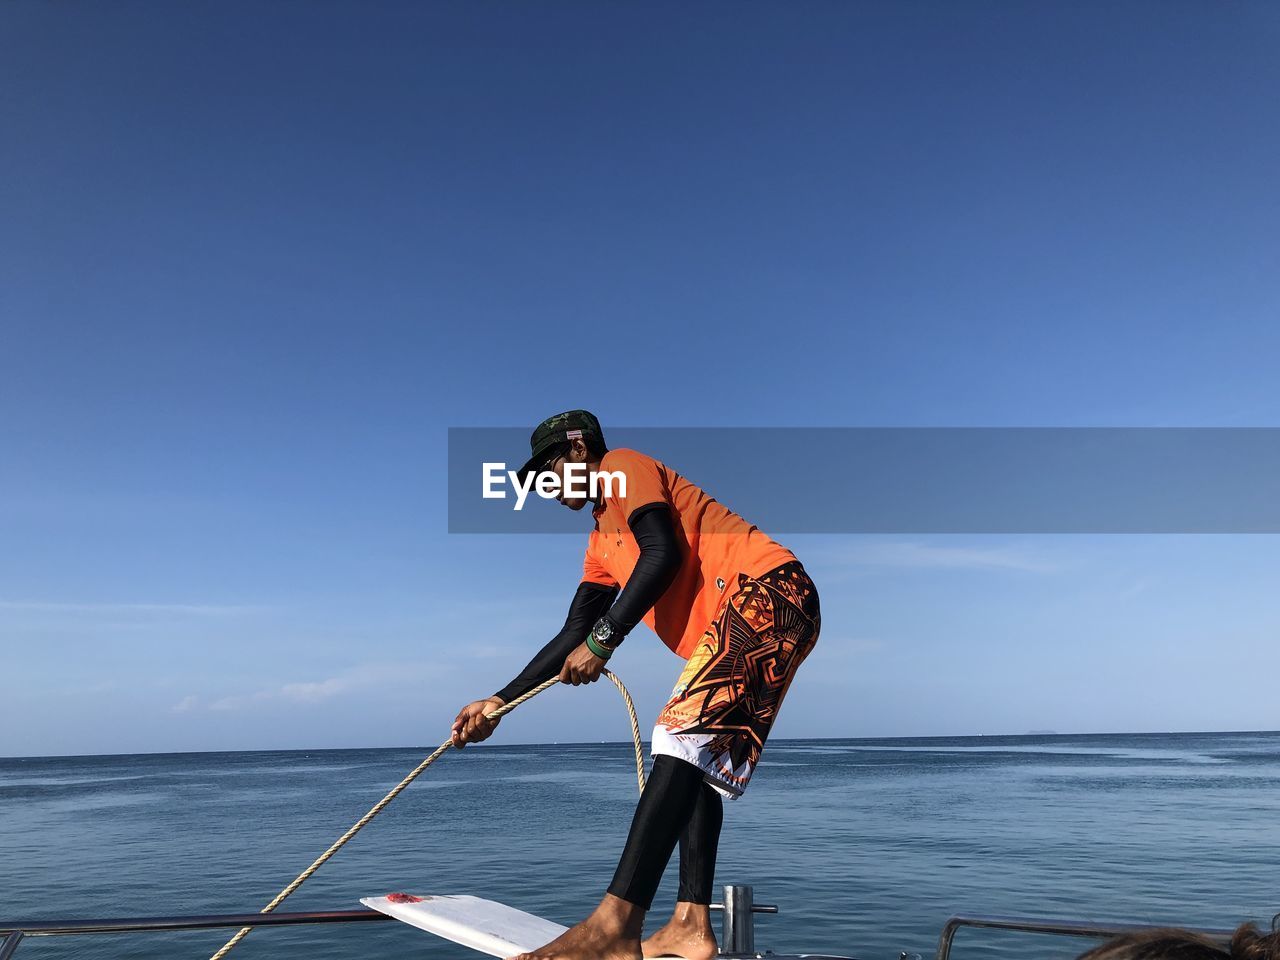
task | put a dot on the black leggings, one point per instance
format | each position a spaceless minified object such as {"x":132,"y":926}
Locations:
{"x":677,"y":804}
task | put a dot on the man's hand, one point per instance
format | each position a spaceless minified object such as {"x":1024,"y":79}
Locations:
{"x":470,"y":726}
{"x":581,"y":666}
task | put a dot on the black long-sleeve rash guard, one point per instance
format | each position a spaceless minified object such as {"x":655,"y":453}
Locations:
{"x":655,"y":569}
{"x":589,"y":605}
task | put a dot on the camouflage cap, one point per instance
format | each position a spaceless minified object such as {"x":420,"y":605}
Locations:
{"x":553,"y":431}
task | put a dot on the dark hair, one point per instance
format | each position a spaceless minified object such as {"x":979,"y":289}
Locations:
{"x":595,"y":447}
{"x":1170,"y":943}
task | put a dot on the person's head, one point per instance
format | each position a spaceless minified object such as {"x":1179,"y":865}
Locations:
{"x":570,"y":437}
{"x":1168,"y":943}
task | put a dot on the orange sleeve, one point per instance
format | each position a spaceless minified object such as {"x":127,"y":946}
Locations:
{"x":645,"y":482}
{"x":593,"y":570}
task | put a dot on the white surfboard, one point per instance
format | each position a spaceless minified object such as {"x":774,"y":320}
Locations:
{"x":484,"y":925}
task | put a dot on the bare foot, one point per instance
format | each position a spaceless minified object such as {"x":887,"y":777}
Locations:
{"x":687,"y":934}
{"x":612,"y":932}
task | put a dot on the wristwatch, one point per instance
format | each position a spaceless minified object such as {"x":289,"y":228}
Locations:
{"x":603,"y":633}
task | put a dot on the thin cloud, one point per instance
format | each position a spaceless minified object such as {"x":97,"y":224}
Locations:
{"x":236,"y":702}
{"x":368,"y":676}
{"x":1135,"y":587}
{"x":184,"y":609}
{"x":316,"y":692}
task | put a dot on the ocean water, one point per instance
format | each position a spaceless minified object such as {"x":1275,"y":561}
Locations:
{"x":867,"y":846}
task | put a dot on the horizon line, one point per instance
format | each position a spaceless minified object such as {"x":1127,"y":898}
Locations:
{"x":597,"y":743}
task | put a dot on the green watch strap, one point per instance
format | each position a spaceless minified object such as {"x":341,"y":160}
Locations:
{"x":604,"y":653}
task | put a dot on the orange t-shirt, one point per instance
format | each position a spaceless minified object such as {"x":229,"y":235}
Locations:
{"x":715,"y":546}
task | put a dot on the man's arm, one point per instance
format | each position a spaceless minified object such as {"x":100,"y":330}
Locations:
{"x":659,"y":561}
{"x":591,"y":600}
{"x":567,"y":653}
{"x":589,"y":605}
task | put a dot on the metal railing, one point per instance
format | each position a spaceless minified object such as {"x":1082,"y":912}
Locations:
{"x":738,"y":939}
{"x":53,"y":928}
{"x":1062,"y":928}
{"x":738,"y":908}
{"x":739,"y":929}
{"x":15,"y":933}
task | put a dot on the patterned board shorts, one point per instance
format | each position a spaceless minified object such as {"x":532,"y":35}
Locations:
{"x":725,"y":702}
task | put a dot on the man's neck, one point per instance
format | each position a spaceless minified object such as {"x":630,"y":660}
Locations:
{"x":593,"y":466}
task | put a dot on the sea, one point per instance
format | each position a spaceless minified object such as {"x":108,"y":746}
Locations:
{"x":865,"y":846}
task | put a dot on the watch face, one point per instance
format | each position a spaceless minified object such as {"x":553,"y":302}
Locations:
{"x":603,"y":630}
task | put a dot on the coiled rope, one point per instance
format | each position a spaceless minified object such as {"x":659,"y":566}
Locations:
{"x":440,"y":751}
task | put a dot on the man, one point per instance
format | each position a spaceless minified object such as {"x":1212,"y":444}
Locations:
{"x":736,"y":605}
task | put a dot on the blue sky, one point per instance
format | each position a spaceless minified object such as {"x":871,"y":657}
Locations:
{"x":256,"y":259}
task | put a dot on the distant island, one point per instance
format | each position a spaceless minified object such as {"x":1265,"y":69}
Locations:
{"x":1041,"y":733}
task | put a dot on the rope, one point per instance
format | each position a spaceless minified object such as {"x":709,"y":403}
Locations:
{"x":440,"y":751}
